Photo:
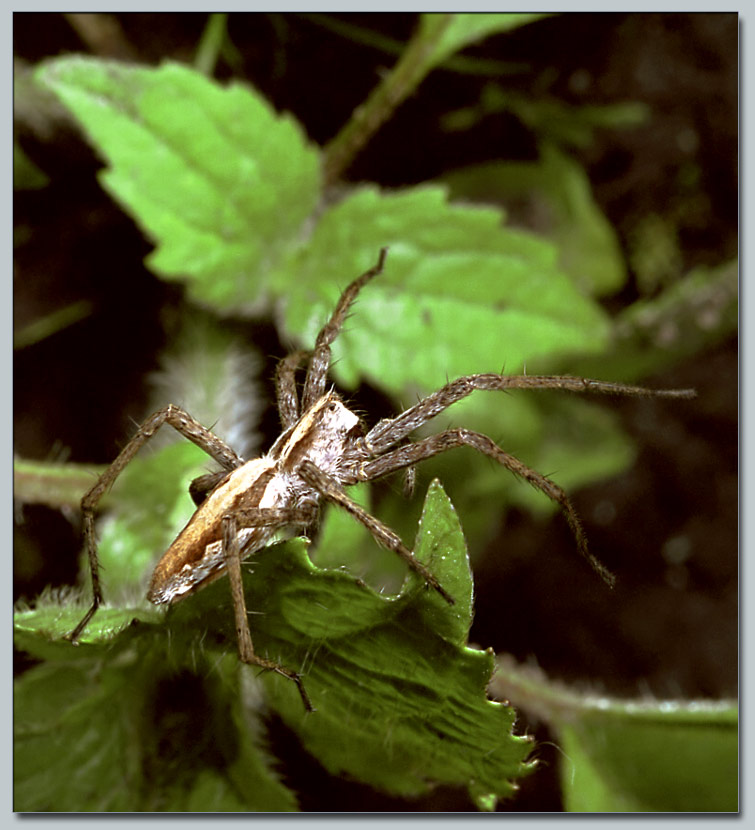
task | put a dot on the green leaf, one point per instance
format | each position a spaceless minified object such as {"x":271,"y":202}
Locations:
{"x":559,"y":192}
{"x":201,"y":168}
{"x":459,"y":294}
{"x":696,"y":313}
{"x":400,"y":699}
{"x":666,"y":756}
{"x":549,"y":118}
{"x":623,"y":755}
{"x":465,"y":29}
{"x":214,"y":176}
{"x":26,"y":174}
{"x":114,"y":728}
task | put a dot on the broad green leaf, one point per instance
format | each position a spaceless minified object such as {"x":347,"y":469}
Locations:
{"x":558,"y":190}
{"x":465,"y":29}
{"x":459,"y":293}
{"x":400,"y":698}
{"x":214,"y":176}
{"x":471,"y":294}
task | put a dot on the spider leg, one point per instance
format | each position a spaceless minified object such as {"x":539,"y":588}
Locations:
{"x":314,"y":385}
{"x":246,"y":648}
{"x":203,"y":485}
{"x":389,"y":431}
{"x":189,"y":428}
{"x":330,"y":489}
{"x":285,"y":387}
{"x":410,"y":454}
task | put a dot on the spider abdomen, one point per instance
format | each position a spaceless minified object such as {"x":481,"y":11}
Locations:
{"x":195,"y":558}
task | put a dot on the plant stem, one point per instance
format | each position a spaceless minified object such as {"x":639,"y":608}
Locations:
{"x":413,"y":65}
{"x":55,"y":485}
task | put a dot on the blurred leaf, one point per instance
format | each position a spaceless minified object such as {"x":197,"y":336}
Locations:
{"x":558,"y":201}
{"x":400,"y":698}
{"x":205,"y":372}
{"x":151,"y":505}
{"x":51,"y":324}
{"x":215,"y":177}
{"x":654,"y":253}
{"x":549,"y":118}
{"x":695,"y":313}
{"x":570,"y":439}
{"x":668,"y":756}
{"x":632,"y":755}
{"x":26,"y":174}
{"x":465,"y":29}
{"x":391,"y":46}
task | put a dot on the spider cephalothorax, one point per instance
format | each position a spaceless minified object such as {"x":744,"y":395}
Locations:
{"x":322,"y":449}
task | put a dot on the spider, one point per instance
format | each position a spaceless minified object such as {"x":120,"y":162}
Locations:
{"x":323,"y":447}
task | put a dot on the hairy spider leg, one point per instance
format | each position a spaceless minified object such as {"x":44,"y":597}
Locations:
{"x":319,"y":363}
{"x":410,"y":454}
{"x":285,"y":387}
{"x":232,"y":557}
{"x":329,"y":488}
{"x":183,"y":423}
{"x":389,"y":431}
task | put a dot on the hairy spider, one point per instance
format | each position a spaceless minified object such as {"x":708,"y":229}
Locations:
{"x":323,"y":447}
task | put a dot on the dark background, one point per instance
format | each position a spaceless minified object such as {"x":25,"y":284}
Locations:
{"x":670,"y":627}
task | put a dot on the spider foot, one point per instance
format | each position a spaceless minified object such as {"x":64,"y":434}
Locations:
{"x":270,"y":665}
{"x":431,"y":580}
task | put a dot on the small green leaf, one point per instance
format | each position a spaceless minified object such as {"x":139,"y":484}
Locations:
{"x":26,"y":174}
{"x":549,"y":118}
{"x":466,"y":29}
{"x":440,"y":545}
{"x":215,"y":177}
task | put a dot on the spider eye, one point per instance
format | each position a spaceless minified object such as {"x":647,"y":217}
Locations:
{"x":332,"y":407}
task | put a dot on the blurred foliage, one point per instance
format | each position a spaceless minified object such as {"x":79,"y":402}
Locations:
{"x":633,"y":755}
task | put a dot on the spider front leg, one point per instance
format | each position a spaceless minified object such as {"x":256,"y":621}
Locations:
{"x":285,"y":387}
{"x":329,"y":488}
{"x":232,"y":557}
{"x":411,"y":454}
{"x":189,"y":428}
{"x":319,"y":363}
{"x":390,"y":431}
